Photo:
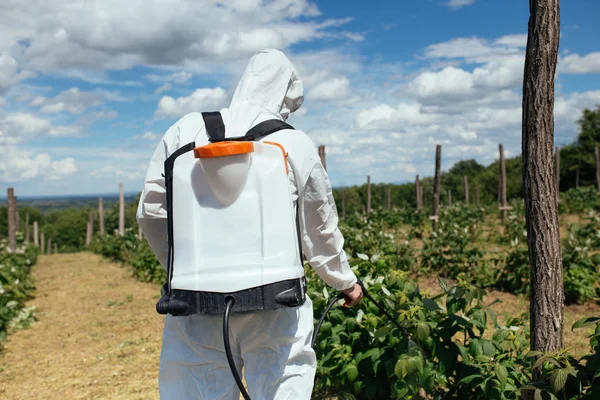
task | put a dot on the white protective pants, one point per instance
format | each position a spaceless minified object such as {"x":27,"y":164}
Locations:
{"x":272,"y":347}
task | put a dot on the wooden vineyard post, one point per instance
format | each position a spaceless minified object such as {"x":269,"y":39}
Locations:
{"x":368,"y":195}
{"x":42,"y":243}
{"x":16,"y":214}
{"x":503,"y":205}
{"x":436,"y":184}
{"x":421,"y":195}
{"x":12,"y":229}
{"x":558,"y":174}
{"x":88,"y":234}
{"x":477,"y":195}
{"x":418,"y":192}
{"x":539,"y":179}
{"x":49,"y":247}
{"x":121,"y":210}
{"x":466,"y":190}
{"x":55,"y":248}
{"x":100,"y":216}
{"x":91,"y":219}
{"x":577,"y":178}
{"x":449,"y":198}
{"x":322,"y":156}
{"x":597,"y":153}
{"x":388,"y":191}
{"x":364,"y":210}
{"x":36,"y":236}
{"x":26,"y":227}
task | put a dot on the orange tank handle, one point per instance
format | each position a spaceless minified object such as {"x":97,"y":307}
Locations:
{"x":223,"y":149}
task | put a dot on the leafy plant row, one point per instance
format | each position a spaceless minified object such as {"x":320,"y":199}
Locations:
{"x":16,"y":285}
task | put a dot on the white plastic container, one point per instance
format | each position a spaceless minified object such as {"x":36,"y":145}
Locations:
{"x":233,"y":217}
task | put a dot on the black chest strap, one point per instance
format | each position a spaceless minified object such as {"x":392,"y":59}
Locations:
{"x":215,"y":128}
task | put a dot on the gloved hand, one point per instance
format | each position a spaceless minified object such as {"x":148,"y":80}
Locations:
{"x":353,"y":295}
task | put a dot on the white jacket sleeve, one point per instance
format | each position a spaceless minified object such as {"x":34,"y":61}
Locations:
{"x":152,"y":208}
{"x":322,"y":241}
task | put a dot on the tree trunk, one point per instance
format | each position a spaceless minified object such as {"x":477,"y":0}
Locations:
{"x":36,"y":235}
{"x":466,"y":190}
{"x":101,"y":216}
{"x":322,"y":156}
{"x":42,"y":243}
{"x":436,"y":182}
{"x":539,"y":179}
{"x":503,"y":202}
{"x":12,"y":227}
{"x":55,"y":248}
{"x":368,"y":195}
{"x":121,"y":210}
{"x":557,"y":173}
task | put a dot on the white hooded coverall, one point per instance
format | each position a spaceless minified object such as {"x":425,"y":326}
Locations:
{"x":272,"y":347}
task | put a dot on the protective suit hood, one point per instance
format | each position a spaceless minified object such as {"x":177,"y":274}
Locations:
{"x":269,"y":88}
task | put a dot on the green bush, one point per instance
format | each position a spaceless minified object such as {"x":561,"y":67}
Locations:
{"x":16,"y":285}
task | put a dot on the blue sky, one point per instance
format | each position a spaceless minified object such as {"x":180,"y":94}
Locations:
{"x":86,"y":92}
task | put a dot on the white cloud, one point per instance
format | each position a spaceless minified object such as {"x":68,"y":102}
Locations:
{"x":149,"y":136}
{"x":62,"y":37}
{"x":72,"y":100}
{"x":17,"y":165}
{"x":10,"y":73}
{"x":134,"y":173}
{"x":455,"y":84}
{"x":384,"y":116}
{"x":575,"y":64}
{"x":20,"y":127}
{"x":332,"y":89}
{"x":460,"y":3}
{"x":199,"y":100}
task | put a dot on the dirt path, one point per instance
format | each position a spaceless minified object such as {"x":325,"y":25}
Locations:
{"x":98,"y":335}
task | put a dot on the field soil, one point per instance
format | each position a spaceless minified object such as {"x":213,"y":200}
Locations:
{"x":98,"y":334}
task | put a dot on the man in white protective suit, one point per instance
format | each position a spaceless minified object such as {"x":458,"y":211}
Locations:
{"x":272,"y":346}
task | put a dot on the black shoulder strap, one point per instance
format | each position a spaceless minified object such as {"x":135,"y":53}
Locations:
{"x":216,"y":128}
{"x":213,"y":122}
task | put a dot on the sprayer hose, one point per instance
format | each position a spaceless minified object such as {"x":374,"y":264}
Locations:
{"x":229,"y":302}
{"x":368,"y":296}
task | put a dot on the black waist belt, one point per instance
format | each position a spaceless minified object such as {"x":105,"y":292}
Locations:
{"x":288,"y":293}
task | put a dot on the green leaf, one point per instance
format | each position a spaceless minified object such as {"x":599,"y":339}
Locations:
{"x":558,"y":379}
{"x":582,"y":323}
{"x":431,"y":305}
{"x":501,"y":374}
{"x":444,"y":284}
{"x":352,"y":372}
{"x":488,"y":348}
{"x":382,"y":331}
{"x":469,"y":378}
{"x":401,"y":368}
{"x":423,"y":331}
{"x":538,"y":394}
